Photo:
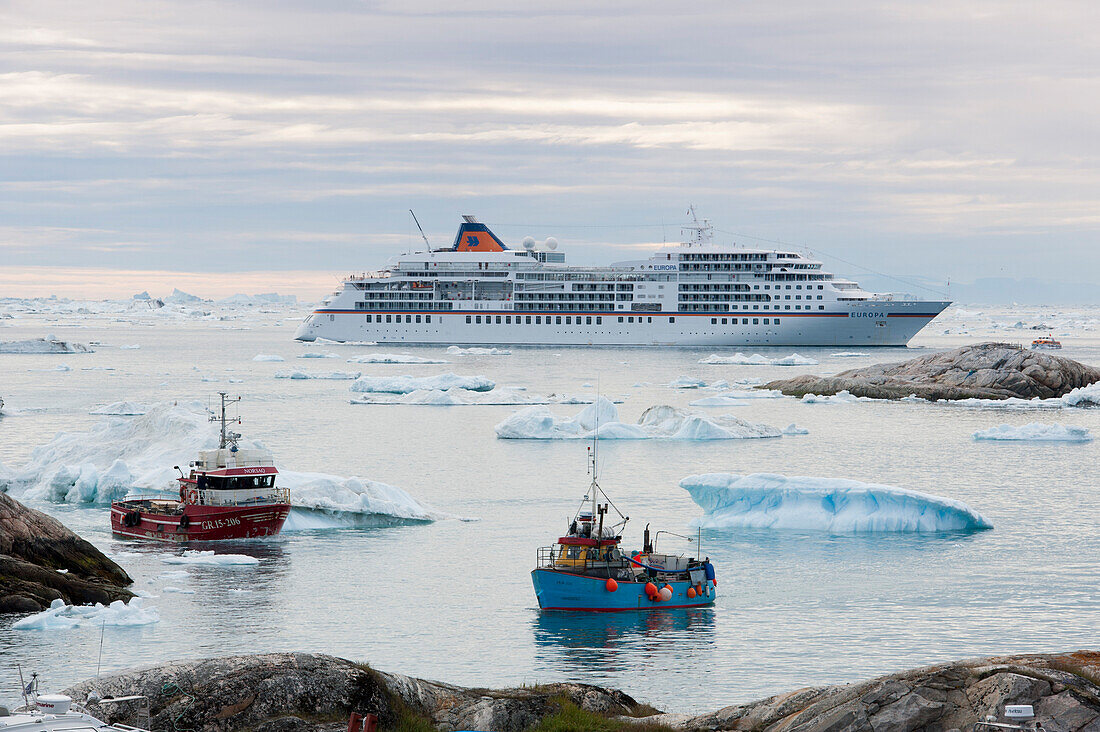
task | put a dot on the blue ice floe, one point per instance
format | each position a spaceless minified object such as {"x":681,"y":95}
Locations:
{"x":602,"y":418}
{"x":768,"y":501}
{"x":406,"y":384}
{"x":1035,"y":432}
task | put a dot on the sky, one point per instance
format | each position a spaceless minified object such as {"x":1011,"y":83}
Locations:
{"x":271,"y":145}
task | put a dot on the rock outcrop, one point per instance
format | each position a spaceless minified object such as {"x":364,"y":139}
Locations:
{"x":299,"y":691}
{"x":982,"y":371}
{"x":1062,"y":688}
{"x":41,"y":561}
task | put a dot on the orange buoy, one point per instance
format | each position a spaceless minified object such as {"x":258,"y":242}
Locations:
{"x":650,"y":589}
{"x":611,"y":585}
{"x":698,"y":589}
{"x":665,"y":593}
{"x":667,"y":587}
{"x":691,"y":593}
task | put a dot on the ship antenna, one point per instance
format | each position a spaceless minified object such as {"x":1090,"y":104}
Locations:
{"x":422,"y":234}
{"x":228,"y":438}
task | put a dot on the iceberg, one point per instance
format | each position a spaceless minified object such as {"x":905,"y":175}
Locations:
{"x":740,"y":359}
{"x":60,"y":616}
{"x":1083,"y":396}
{"x":793,"y":429}
{"x":393,"y":358}
{"x":267,"y":357}
{"x":299,"y":374}
{"x":125,"y":409}
{"x":687,"y":382}
{"x":406,"y":384}
{"x":841,"y":397}
{"x":1035,"y":432}
{"x":49,"y":344}
{"x":211,"y":559}
{"x":454,"y":397}
{"x":474,"y":351}
{"x":322,"y":501}
{"x":657,"y":422}
{"x":767,"y":501}
{"x":717,"y":401}
{"x":318,"y":354}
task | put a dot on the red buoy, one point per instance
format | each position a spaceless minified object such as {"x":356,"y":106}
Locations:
{"x":691,"y":593}
{"x":611,"y":585}
{"x":650,"y":589}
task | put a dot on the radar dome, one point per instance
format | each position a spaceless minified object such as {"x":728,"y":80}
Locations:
{"x":551,"y":243}
{"x":529,"y":243}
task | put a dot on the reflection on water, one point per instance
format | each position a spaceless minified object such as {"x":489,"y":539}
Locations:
{"x":606,"y":643}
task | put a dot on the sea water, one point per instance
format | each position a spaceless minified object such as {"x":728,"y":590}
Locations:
{"x":452,"y":599}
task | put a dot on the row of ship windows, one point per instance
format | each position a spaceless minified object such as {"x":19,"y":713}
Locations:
{"x":723,"y":307}
{"x":550,"y":319}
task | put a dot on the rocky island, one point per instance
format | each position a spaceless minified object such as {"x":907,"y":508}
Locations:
{"x":982,"y":371}
{"x":298,"y":691}
{"x":41,"y":561}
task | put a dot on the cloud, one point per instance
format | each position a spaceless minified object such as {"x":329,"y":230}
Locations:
{"x":165,"y":136}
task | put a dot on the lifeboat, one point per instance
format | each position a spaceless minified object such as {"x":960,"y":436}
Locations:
{"x":1046,"y":344}
{"x":228,"y":493}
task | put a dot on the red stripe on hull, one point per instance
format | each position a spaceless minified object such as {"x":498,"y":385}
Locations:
{"x":206,"y":523}
{"x":644,"y":609}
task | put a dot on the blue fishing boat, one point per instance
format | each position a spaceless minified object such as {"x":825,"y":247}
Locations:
{"x":586,"y":570}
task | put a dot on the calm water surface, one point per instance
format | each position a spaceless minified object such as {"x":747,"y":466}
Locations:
{"x":452,"y":600}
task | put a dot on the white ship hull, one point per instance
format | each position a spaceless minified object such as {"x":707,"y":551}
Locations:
{"x":868,"y":323}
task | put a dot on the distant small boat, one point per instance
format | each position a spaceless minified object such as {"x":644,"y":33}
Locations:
{"x":1046,"y":344}
{"x":586,"y":571}
{"x":230,"y":493}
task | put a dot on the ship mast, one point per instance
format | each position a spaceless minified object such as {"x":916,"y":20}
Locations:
{"x":228,"y":437}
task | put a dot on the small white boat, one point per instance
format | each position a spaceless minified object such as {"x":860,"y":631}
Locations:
{"x":50,"y":712}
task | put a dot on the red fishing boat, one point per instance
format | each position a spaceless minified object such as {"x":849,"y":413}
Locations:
{"x":229,"y":493}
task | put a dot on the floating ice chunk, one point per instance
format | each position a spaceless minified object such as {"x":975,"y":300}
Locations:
{"x":401,"y":358}
{"x":177,"y":590}
{"x":849,"y":354}
{"x":474,"y":351}
{"x":267,"y":357}
{"x":1084,"y":396}
{"x":740,"y":359}
{"x":317,"y":354}
{"x":298,"y":374}
{"x":717,"y":401}
{"x":212,"y":559}
{"x":658,"y":422}
{"x":687,"y":382}
{"x":60,"y":616}
{"x":49,"y":344}
{"x":125,"y":409}
{"x":841,"y":397}
{"x":1035,"y":432}
{"x":406,"y":384}
{"x":322,"y":501}
{"x":793,"y":429}
{"x":766,"y":501}
{"x":454,"y":397}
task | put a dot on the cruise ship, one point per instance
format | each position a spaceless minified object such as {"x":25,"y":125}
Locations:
{"x":480,"y":291}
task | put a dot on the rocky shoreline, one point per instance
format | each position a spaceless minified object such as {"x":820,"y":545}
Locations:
{"x":295,"y":692}
{"x":981,"y":371}
{"x":42,"y":561}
